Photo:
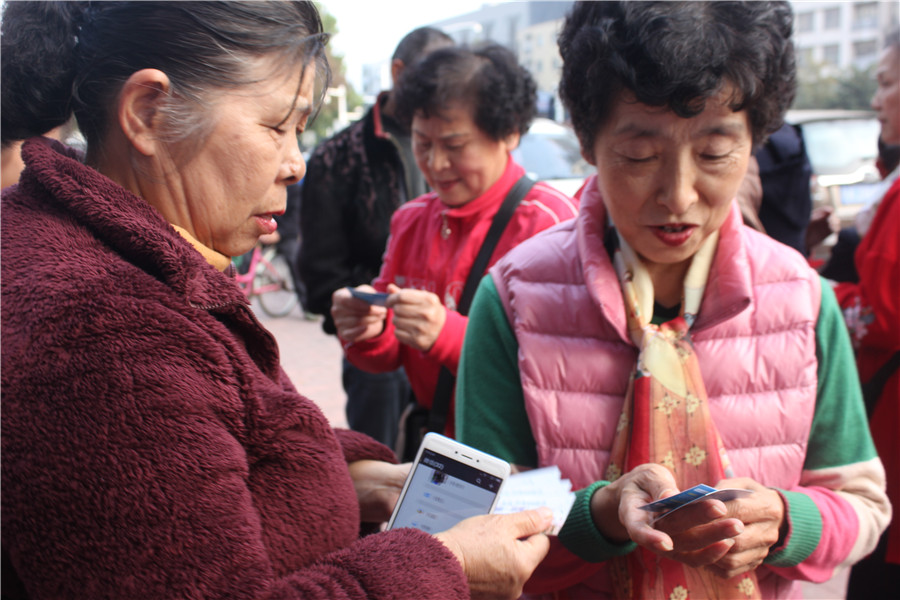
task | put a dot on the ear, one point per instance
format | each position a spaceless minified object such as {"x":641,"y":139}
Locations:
{"x":512,"y":141}
{"x":588,"y":157}
{"x":139,"y":108}
{"x":397,"y":67}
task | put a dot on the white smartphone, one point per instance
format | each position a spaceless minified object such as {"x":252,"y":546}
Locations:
{"x":448,"y":482}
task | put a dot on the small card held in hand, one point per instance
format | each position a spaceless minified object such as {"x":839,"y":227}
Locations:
{"x":698,"y":492}
{"x":376,"y":298}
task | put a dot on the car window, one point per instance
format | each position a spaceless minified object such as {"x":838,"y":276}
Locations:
{"x":842,"y":145}
{"x":551,"y":156}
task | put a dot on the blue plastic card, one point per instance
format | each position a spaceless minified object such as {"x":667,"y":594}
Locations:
{"x":376,"y":298}
{"x":680,"y":499}
{"x":667,"y":506}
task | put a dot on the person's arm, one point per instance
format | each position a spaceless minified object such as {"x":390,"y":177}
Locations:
{"x":490,"y":404}
{"x":491,"y":416}
{"x":132,"y":481}
{"x":840,"y":508}
{"x":325,"y":251}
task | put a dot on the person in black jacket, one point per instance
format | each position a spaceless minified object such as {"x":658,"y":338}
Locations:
{"x":354,"y":183}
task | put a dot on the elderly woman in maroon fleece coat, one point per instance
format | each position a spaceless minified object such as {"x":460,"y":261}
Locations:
{"x":152,"y":445}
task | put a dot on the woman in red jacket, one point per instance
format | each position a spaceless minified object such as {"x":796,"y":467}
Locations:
{"x":872,"y":311}
{"x":469,"y":109}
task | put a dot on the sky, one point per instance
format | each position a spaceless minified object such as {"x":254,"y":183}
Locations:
{"x":369,"y":30}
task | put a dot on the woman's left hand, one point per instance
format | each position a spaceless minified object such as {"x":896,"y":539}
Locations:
{"x":419,"y":316}
{"x":763,"y":516}
{"x":378,"y":486}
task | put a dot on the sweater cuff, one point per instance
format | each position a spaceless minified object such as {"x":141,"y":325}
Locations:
{"x":804,"y":530}
{"x":582,"y":538}
{"x":447,"y":348}
{"x":359,"y":446}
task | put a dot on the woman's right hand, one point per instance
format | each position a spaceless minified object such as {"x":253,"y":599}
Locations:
{"x":354,"y":319}
{"x":697,"y":535}
{"x":498,"y":553}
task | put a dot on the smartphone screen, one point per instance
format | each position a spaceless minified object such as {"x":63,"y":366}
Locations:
{"x":443,"y":491}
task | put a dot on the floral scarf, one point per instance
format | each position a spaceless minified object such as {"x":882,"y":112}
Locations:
{"x":665,"y":419}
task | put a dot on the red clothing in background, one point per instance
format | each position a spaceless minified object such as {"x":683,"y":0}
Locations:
{"x":872,"y":310}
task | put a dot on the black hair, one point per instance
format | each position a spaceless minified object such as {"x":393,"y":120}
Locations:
{"x":65,"y":57}
{"x":502,"y":93}
{"x":677,"y":55}
{"x":418,"y":42}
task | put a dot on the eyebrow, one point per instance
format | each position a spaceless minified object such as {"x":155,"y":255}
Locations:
{"x":302,"y":107}
{"x":444,"y":137}
{"x":639,"y":131}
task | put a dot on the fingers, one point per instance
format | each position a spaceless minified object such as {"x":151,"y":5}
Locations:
{"x":354,"y":319}
{"x":418,"y":316}
{"x":530,"y":522}
{"x":498,"y":553}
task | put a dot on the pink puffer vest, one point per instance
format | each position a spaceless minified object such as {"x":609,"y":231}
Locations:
{"x":755,"y":340}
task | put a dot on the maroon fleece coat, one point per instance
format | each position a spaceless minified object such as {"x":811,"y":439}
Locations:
{"x":152,"y":446}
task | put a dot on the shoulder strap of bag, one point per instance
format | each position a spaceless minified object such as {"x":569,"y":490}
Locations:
{"x":440,"y":406}
{"x":872,"y":389}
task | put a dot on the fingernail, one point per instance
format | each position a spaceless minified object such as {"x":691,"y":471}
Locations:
{"x":546,"y":513}
{"x":666,"y":546}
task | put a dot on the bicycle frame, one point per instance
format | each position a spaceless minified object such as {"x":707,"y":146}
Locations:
{"x":264,"y":280}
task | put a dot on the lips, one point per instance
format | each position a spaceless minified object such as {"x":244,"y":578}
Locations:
{"x":443,"y":186}
{"x":673,"y":234}
{"x":266,"y":222}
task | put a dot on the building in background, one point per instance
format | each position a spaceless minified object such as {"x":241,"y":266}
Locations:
{"x":841,"y":35}
{"x":527,"y":28}
{"x":834,"y":35}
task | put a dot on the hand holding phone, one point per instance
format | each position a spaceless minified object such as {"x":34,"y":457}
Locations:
{"x":448,"y":482}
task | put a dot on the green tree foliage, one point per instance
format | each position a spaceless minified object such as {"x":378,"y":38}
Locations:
{"x":323,"y":126}
{"x":851,"y":89}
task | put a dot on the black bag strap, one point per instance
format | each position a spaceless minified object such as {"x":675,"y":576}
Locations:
{"x":873,"y":387}
{"x":440,"y":406}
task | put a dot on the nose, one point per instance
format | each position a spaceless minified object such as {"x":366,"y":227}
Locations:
{"x":875,"y":103}
{"x":678,"y":186}
{"x":293,"y":167}
{"x":437,"y":159}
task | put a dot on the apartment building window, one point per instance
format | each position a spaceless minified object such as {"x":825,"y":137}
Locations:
{"x":865,"y":15}
{"x":833,"y":18}
{"x":865,"y":49}
{"x":804,"y":22}
{"x":831,"y":54}
{"x":805,"y":57}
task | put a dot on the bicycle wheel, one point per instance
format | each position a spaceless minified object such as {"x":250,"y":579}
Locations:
{"x":274,"y":285}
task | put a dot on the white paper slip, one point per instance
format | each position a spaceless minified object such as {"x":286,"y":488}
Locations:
{"x":536,"y":488}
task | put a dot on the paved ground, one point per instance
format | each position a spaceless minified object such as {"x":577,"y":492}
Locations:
{"x":312,"y":359}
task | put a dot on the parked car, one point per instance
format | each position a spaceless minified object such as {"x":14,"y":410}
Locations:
{"x":550,"y":152}
{"x":842,"y":146}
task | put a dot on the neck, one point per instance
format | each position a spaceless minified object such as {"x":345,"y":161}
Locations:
{"x":389,"y":108}
{"x":668,"y":282}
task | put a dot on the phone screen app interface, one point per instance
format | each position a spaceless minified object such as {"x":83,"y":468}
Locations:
{"x":443,"y":492}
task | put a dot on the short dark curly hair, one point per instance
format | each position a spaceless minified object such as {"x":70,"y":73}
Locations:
{"x":502,"y":93}
{"x":677,"y":54}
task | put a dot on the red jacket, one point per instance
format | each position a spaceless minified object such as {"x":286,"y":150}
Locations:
{"x":152,"y":445}
{"x":421,"y":255}
{"x":872,"y":310}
